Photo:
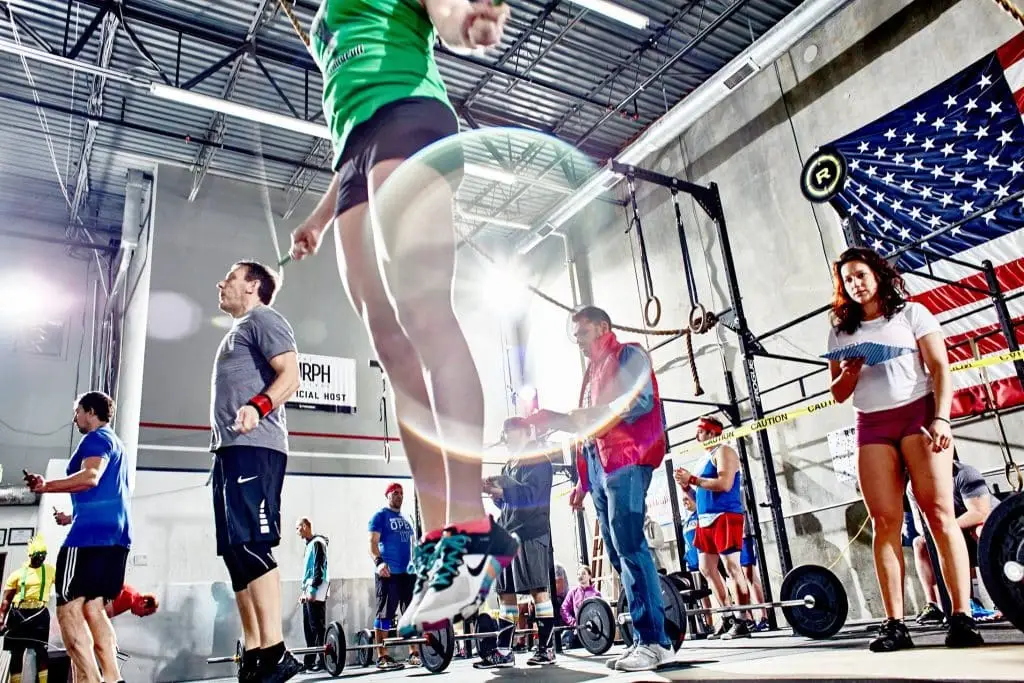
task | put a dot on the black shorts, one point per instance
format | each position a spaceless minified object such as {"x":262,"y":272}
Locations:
{"x":397,"y":130}
{"x":393,"y":594}
{"x":530,"y":569}
{"x":90,"y":572}
{"x":247,"y":483}
{"x":27,"y":629}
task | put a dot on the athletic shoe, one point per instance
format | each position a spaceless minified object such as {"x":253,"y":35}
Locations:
{"x":644,"y":658}
{"x":285,"y":668}
{"x":982,"y":614}
{"x":762,"y":625}
{"x":615,"y":660}
{"x":930,"y":615}
{"x":469,"y":559}
{"x":542,"y":657}
{"x":387,"y":664}
{"x":963,"y":632}
{"x":495,"y":660}
{"x":740,"y":629}
{"x":892,"y":635}
{"x":723,"y":628}
{"x":422,"y":562}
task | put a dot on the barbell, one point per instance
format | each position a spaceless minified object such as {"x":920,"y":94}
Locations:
{"x":436,"y":649}
{"x":814,"y":603}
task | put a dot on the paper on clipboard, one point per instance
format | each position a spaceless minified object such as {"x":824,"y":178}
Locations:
{"x":873,"y":353}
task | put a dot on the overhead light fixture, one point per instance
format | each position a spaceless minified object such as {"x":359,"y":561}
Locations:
{"x":241,"y":111}
{"x":616,"y":12}
{"x":477,"y":218}
{"x":490,"y":173}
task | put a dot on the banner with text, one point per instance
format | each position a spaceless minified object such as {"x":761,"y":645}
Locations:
{"x":325,"y":383}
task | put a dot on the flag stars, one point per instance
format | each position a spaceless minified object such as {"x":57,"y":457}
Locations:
{"x":863,"y":147}
{"x":934,"y":221}
{"x":960,"y":127}
{"x":971,"y":105}
{"x":958,"y":177}
{"x":967,"y":207}
{"x":1005,"y":138}
{"x":897,"y":205}
{"x":862,"y":190}
{"x":869,"y":217}
{"x":928,"y":144}
{"x":926,"y":192}
{"x":939,"y":123}
{"x":890,"y":134}
{"x":879,"y":197}
{"x":872,"y":171}
{"x":950,"y":102}
{"x":920,"y":118}
{"x":985,"y":81}
{"x":992,"y":162}
{"x":918,"y":165}
{"x":904,"y":233}
{"x":1016,"y":167}
{"x":970,"y":155}
{"x":982,"y":132}
{"x":938,"y":172}
{"x":908,"y":139}
{"x":855,"y":164}
{"x":1002,"y":192}
{"x":897,"y":158}
{"x":979,"y":185}
{"x":880,"y":152}
{"x":889,"y":179}
{"x":907,"y":186}
{"x":915,"y":213}
{"x":994,"y":109}
{"x":989,"y":216}
{"x":886,"y":225}
{"x":947,"y":199}
{"x":947,"y":149}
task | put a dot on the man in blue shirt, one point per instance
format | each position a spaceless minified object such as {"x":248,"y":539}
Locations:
{"x":391,"y":537}
{"x":91,"y":562}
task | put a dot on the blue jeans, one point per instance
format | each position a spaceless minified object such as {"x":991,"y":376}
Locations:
{"x":621,"y":503}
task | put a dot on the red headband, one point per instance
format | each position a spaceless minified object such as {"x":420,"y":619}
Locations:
{"x":709,"y":426}
{"x":395,"y":486}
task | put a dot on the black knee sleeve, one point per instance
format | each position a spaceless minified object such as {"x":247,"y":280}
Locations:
{"x":17,"y":659}
{"x":247,"y":562}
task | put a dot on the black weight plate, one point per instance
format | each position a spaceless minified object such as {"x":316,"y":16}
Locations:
{"x":437,"y":655}
{"x":675,"y":612}
{"x":831,"y":607}
{"x":239,"y":651}
{"x":485,"y":623}
{"x":364,"y":656}
{"x":683,"y":582}
{"x":596,"y":629}
{"x":335,"y":649}
{"x":626,"y":627}
{"x":1002,"y":540}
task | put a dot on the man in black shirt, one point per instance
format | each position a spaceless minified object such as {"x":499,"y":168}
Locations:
{"x":523,"y":494}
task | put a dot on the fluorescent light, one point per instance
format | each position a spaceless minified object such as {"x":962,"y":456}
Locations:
{"x":490,"y":173}
{"x":241,"y":111}
{"x":477,"y":218}
{"x":616,"y":12}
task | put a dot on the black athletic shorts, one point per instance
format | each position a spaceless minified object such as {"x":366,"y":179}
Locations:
{"x":394,"y":594}
{"x":396,"y":131}
{"x":247,"y":482}
{"x":530,"y":569}
{"x":90,"y":572}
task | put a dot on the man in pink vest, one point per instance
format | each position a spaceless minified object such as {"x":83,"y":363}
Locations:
{"x":620,"y":415}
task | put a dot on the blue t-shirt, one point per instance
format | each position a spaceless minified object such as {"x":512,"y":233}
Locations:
{"x":689,"y":534}
{"x":100,"y":514}
{"x":395,"y":539}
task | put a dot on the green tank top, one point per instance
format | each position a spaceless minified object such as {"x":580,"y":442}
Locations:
{"x":371,"y":53}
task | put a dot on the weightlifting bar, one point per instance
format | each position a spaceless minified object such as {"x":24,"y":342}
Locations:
{"x":299,"y":651}
{"x":806,"y":601}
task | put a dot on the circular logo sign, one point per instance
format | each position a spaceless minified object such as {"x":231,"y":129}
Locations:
{"x":824,"y":175}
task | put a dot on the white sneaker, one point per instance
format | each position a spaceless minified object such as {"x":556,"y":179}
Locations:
{"x":615,"y":660}
{"x":643,"y":658}
{"x":423,"y":560}
{"x":462,"y":576}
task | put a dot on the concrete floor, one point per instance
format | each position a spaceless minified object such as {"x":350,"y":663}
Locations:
{"x":778,"y":656}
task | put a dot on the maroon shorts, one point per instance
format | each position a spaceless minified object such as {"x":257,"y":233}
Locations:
{"x":723,"y":536}
{"x":889,"y":427}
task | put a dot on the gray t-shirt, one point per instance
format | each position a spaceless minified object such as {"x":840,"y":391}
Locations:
{"x":968,"y":482}
{"x":241,"y":370}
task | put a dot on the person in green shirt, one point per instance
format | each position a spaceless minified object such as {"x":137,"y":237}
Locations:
{"x":384,"y":101}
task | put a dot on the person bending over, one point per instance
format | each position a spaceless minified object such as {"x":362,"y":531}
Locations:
{"x":894,"y":402}
{"x":620,"y":393}
{"x":523,"y":493}
{"x":972,"y":504}
{"x":573,"y":601}
{"x":384,"y":101}
{"x":255,"y":372}
{"x":24,"y":615}
{"x":718,"y":495}
{"x":391,"y":536}
{"x":91,"y":562}
{"x":316,"y":585}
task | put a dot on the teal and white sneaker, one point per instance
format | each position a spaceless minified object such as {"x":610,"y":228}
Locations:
{"x":423,"y":560}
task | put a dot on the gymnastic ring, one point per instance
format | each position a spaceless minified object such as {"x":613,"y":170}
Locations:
{"x":1012,"y":467}
{"x":652,"y":321}
{"x":699,"y":323}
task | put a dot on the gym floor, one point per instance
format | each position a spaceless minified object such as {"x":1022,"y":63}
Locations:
{"x":778,"y":656}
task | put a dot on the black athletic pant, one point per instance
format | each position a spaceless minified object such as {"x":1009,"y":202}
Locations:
{"x":314,"y":623}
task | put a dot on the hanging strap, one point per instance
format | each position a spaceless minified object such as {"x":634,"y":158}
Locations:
{"x":652,"y":305}
{"x":383,"y":414}
{"x":24,"y":582}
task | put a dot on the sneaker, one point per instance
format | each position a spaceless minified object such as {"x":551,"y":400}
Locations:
{"x":496,"y":660}
{"x":892,"y":635}
{"x":387,"y":664}
{"x":722,"y":629}
{"x":465,"y":569}
{"x":740,"y":629}
{"x":930,"y":615}
{"x":414,"y":660}
{"x":762,"y":625}
{"x":422,"y":561}
{"x":542,"y":657}
{"x":615,"y":660}
{"x":643,"y":658}
{"x":963,"y":632}
{"x":248,"y":675}
{"x":285,"y":668}
{"x":982,"y":614}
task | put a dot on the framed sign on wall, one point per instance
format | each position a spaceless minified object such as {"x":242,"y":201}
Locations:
{"x":20,"y":535}
{"x":326,"y":383}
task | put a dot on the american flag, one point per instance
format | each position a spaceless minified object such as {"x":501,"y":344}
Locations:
{"x":953,"y":156}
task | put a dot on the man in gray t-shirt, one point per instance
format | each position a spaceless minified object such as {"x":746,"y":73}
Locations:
{"x":254,"y":373}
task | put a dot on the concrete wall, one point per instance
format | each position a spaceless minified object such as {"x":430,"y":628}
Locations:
{"x":864,"y":62}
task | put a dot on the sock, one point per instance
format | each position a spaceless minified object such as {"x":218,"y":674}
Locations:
{"x":545,"y":622}
{"x":476,"y":526}
{"x":251,"y":659}
{"x":270,"y":656}
{"x":42,"y":676}
{"x":16,"y":678}
{"x":507,"y":618}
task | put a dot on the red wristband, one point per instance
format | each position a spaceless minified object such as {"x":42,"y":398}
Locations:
{"x":693,"y":480}
{"x":262,"y":404}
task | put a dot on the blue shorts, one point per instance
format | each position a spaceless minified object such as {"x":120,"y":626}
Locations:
{"x":748,"y":556}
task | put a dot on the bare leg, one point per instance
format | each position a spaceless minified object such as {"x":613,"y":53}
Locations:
{"x":882,"y":483}
{"x":923,"y":564}
{"x":931,"y":475}
{"x":250,"y":624}
{"x":756,"y":592}
{"x":78,"y":641}
{"x":266,"y":601}
{"x":739,"y":581}
{"x":709,"y":568}
{"x":104,"y":639}
{"x":378,"y":638}
{"x":357,"y":262}
{"x":415,"y":242}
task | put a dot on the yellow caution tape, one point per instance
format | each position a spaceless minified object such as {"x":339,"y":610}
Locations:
{"x":785,"y":416}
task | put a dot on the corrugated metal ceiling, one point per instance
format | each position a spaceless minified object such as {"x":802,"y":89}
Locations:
{"x":561,"y":70}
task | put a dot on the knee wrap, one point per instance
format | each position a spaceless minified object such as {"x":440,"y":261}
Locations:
{"x":545,"y":610}
{"x":509,"y":613}
{"x":247,"y":562}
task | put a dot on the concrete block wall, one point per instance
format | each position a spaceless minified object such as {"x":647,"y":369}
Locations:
{"x":862,"y":63}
